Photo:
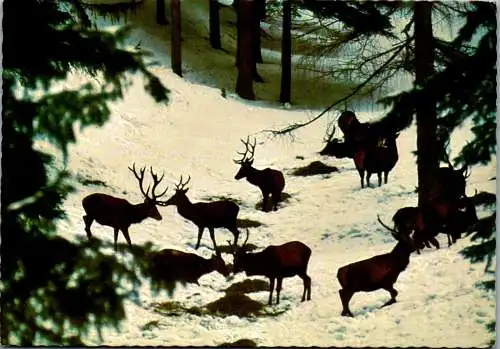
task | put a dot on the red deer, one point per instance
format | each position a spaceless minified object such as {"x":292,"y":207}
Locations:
{"x":378,"y":272}
{"x":275,"y":262}
{"x":268,"y":180}
{"x":211,"y":215}
{"x":450,"y":217}
{"x":119,"y":213}
{"x":380,"y":157}
{"x":171,"y":266}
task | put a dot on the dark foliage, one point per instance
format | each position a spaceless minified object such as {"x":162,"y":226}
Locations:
{"x":54,"y":290}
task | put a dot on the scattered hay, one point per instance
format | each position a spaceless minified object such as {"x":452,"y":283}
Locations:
{"x":229,"y":250}
{"x":248,"y":223}
{"x":170,"y":308}
{"x":150,"y":325}
{"x":221,"y":197}
{"x":235,"y":304}
{"x":240,"y":343}
{"x":299,"y":157}
{"x":248,"y":286}
{"x":88,"y":181}
{"x":314,"y":168}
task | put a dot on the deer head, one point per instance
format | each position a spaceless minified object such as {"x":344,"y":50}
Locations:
{"x":406,"y":239}
{"x":180,"y":193}
{"x":238,"y":254}
{"x":150,"y":202}
{"x":246,"y":161}
{"x":219,"y":265}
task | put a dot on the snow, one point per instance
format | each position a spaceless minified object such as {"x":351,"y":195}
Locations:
{"x":198,"y":134}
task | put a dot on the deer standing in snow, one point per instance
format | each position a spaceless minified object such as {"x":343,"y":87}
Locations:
{"x":119,"y":213}
{"x":269,"y":181}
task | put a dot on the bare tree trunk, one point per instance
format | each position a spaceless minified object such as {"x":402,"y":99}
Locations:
{"x":176,"y":37}
{"x":245,"y":61}
{"x":286,"y":53}
{"x":214,"y":24}
{"x":259,"y":12}
{"x":161,"y":18}
{"x":427,"y":162}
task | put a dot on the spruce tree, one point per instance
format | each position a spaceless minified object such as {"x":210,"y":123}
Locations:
{"x":53,"y":291}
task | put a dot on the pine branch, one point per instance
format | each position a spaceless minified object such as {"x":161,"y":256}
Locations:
{"x":358,"y":88}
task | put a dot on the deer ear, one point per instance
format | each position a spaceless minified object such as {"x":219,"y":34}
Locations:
{"x":250,"y":162}
{"x":185,"y":190}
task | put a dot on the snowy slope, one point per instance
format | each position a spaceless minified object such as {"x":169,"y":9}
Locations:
{"x":198,"y":134}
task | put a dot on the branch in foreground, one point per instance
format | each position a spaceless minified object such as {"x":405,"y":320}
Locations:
{"x":358,"y":88}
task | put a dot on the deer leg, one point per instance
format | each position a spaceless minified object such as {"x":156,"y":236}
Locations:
{"x":88,"y":222}
{"x":236,"y":234}
{"x":362,"y":175}
{"x":276,"y":199}
{"x":307,"y":287}
{"x":393,"y":293}
{"x":271,"y":288}
{"x":345,"y":297}
{"x":368,"y":175}
{"x":379,"y":175}
{"x":116,"y":239}
{"x":127,"y":237}
{"x":200,"y":233}
{"x":386,"y":174}
{"x":212,"y":236}
{"x":278,"y":289}
{"x":264,"y":201}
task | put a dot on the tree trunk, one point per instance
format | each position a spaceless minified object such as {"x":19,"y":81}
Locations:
{"x":427,"y":162}
{"x":214,"y":24}
{"x":176,"y":38}
{"x":245,"y":61}
{"x":259,"y":12}
{"x":286,"y":53}
{"x":160,"y":12}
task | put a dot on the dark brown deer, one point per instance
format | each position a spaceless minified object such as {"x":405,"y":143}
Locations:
{"x":172,"y":265}
{"x":276,"y":263}
{"x":268,"y":180}
{"x":378,"y":272}
{"x":211,"y":215}
{"x":119,"y":213}
{"x":377,"y":157}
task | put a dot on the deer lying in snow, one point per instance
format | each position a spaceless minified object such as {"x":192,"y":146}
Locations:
{"x":119,"y":213}
{"x":378,"y":272}
{"x":211,"y":215}
{"x":268,"y":180}
{"x":275,"y":262}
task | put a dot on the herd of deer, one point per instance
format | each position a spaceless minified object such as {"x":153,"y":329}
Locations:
{"x":449,"y":210}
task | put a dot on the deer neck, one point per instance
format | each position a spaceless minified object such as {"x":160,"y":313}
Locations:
{"x":254,"y":175}
{"x":253,"y":265}
{"x":402,"y":253}
{"x":185,"y":208}
{"x":138,"y":212}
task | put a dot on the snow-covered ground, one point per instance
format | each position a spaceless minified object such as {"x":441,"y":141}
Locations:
{"x":198,"y":134}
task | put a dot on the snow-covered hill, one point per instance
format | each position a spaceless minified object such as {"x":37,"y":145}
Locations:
{"x":198,"y":134}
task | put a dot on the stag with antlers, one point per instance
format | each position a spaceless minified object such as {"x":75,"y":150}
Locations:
{"x":268,"y":180}
{"x":211,"y":215}
{"x":119,"y":213}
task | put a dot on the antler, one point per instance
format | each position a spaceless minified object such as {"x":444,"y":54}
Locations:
{"x":330,"y":132}
{"x":156,"y":181}
{"x":181,"y":185}
{"x":251,"y":149}
{"x":140,"y":178}
{"x":234,"y":248}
